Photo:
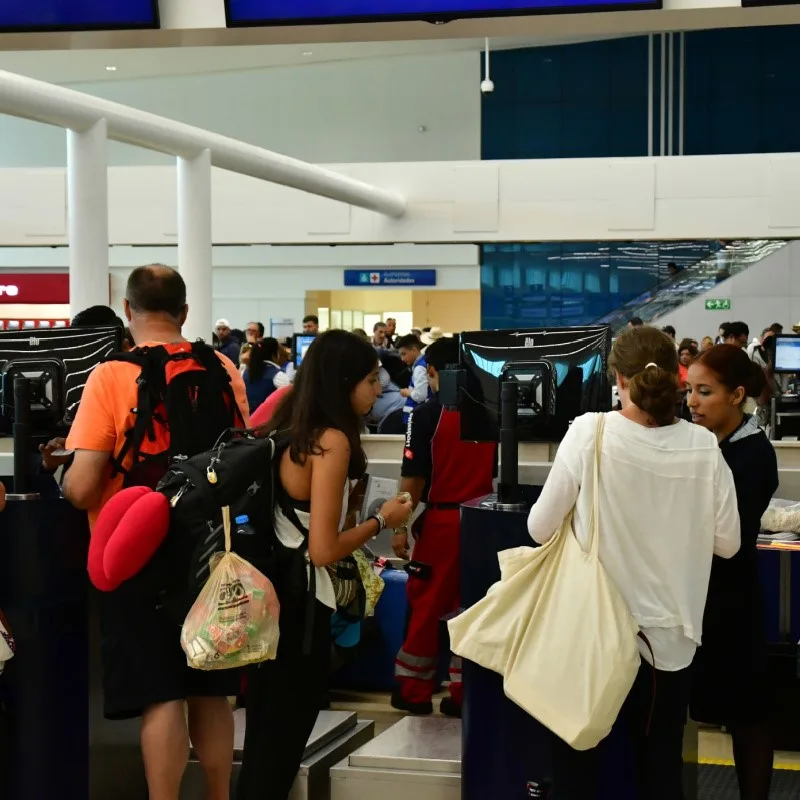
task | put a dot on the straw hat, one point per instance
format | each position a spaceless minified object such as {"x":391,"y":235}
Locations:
{"x":432,"y":336}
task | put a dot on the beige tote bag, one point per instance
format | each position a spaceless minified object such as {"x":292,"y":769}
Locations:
{"x":488,"y":632}
{"x":577,"y":658}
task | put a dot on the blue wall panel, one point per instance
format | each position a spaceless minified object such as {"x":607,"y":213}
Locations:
{"x":571,"y":101}
{"x":590,"y":100}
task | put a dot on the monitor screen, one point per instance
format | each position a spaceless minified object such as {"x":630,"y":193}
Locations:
{"x":570,"y":366}
{"x":308,"y":12}
{"x":302,"y":341}
{"x":57,"y":362}
{"x":787,"y":354}
{"x":65,"y":15}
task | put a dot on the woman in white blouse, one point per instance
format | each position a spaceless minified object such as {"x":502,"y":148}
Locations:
{"x":667,"y":504}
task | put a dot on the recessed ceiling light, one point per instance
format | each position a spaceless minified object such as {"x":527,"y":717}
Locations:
{"x":307,"y":53}
{"x":110,"y":68}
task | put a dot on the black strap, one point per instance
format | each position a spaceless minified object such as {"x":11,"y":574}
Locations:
{"x":655,"y":686}
{"x":442,"y":506}
{"x":151,"y":362}
{"x":283,"y":501}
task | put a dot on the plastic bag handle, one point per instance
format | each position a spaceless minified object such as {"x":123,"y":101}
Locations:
{"x":226,"y":526}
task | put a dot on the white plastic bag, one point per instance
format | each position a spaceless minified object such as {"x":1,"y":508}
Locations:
{"x":781,"y":516}
{"x":234,"y":621}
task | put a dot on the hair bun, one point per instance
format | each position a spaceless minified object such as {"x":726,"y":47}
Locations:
{"x":655,"y":391}
{"x":647,"y":358}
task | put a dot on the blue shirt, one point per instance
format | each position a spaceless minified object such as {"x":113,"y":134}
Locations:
{"x":390,"y":400}
{"x":420,"y":388}
{"x":258,"y":391}
{"x":230,"y":349}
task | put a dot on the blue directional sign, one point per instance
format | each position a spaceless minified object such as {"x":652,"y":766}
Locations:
{"x":389,"y":277}
{"x":304,"y":12}
{"x":60,"y":15}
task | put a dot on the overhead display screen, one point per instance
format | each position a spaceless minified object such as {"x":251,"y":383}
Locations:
{"x":316,"y":12}
{"x":76,"y":15}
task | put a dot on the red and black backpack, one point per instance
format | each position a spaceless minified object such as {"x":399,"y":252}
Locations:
{"x":185,"y":401}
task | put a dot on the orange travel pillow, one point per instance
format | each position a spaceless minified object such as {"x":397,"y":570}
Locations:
{"x":128,"y":531}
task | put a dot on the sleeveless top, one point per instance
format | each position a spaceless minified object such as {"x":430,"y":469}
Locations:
{"x":289,"y":536}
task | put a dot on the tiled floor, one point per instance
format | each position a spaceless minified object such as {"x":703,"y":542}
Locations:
{"x":715,"y":745}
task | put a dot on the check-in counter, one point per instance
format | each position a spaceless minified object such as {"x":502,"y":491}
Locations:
{"x":385,"y":454}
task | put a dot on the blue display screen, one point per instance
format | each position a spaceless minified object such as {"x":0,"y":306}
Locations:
{"x":59,"y":15}
{"x":299,"y":12}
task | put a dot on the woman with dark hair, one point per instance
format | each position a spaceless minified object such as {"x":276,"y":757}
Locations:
{"x":264,"y":372}
{"x":732,"y":684}
{"x":665,"y":504}
{"x":335,"y":387}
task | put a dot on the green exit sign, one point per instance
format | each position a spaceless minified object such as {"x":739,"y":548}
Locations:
{"x":718,"y":305}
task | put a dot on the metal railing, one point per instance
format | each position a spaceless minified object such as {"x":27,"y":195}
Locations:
{"x":720,"y":265}
{"x":91,"y":121}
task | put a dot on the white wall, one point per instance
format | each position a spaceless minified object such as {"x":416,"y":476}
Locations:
{"x":766,"y":292}
{"x":362,"y":110}
{"x":703,"y":197}
{"x":263,"y":282}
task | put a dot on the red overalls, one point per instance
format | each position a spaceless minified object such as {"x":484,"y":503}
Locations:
{"x":458,"y":472}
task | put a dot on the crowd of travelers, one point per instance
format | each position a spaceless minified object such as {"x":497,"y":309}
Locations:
{"x":686,"y":475}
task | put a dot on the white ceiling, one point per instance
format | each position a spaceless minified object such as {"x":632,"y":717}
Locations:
{"x":82,"y":66}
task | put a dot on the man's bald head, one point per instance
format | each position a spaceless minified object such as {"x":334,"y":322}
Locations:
{"x":157,"y":289}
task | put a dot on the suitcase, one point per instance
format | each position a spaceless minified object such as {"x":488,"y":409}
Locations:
{"x":373,"y":669}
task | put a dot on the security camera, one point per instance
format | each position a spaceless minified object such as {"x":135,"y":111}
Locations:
{"x":487,"y":86}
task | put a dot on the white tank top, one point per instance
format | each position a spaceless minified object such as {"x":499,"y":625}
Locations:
{"x":289,"y":536}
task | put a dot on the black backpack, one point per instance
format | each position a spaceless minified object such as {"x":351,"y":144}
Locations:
{"x":185,"y":401}
{"x":239,"y":472}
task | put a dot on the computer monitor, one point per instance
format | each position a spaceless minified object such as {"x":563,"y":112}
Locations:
{"x":787,"y":354}
{"x":57,"y":363}
{"x":302,"y":341}
{"x":558,"y":374}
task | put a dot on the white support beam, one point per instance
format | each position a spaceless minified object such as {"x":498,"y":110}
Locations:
{"x":56,"y":105}
{"x":194,"y":242}
{"x":87,"y":217}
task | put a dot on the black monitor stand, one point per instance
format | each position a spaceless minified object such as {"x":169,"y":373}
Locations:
{"x":509,"y":493}
{"x":22,"y":435}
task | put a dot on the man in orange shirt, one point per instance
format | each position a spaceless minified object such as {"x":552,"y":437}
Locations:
{"x":145,"y":671}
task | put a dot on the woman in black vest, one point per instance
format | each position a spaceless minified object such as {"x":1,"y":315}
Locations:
{"x":732,"y":686}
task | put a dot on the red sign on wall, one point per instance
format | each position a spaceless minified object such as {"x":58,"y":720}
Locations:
{"x":28,"y":288}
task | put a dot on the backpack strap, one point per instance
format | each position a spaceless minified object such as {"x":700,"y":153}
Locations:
{"x":151,"y":382}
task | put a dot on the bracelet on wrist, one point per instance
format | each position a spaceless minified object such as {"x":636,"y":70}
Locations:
{"x":380,"y":519}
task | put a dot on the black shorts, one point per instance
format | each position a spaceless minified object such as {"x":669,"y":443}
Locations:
{"x":143,"y":663}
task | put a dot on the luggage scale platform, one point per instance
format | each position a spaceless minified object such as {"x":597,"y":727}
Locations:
{"x":335,"y":735}
{"x":418,"y":756}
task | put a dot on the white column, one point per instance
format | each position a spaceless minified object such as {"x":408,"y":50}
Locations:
{"x":650,"y":92}
{"x":194,"y":242}
{"x":671,"y":93}
{"x":87,"y":214}
{"x":681,"y":92}
{"x":663,"y":116}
